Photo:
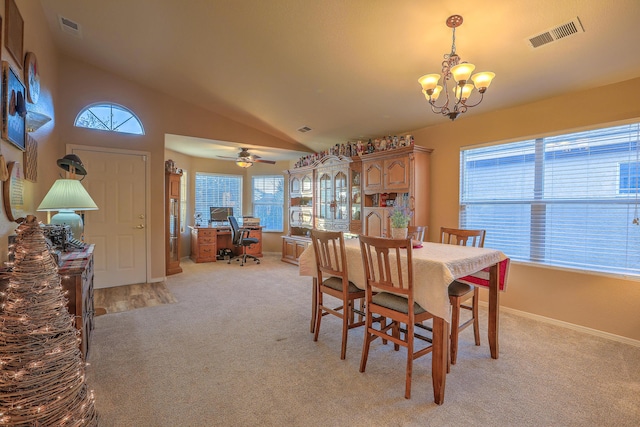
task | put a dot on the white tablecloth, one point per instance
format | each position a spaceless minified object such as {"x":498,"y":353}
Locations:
{"x":435,"y":266}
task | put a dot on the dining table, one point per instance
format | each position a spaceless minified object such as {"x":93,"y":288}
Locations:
{"x":435,"y":266}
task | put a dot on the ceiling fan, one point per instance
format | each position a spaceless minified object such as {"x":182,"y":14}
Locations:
{"x":246,"y":159}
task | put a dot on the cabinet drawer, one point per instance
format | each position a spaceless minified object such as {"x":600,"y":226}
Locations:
{"x":206,"y":234}
{"x":207,"y":251}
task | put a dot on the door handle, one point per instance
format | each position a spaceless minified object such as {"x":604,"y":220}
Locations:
{"x":139,"y":227}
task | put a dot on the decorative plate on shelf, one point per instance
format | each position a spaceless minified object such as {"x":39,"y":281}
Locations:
{"x":32,"y":77}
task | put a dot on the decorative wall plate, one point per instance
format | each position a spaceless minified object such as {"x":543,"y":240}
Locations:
{"x":32,"y":77}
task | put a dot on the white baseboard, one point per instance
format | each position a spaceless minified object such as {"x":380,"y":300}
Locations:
{"x":568,"y":325}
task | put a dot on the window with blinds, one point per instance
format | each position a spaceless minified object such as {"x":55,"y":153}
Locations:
{"x":268,"y":201}
{"x":216,"y":190}
{"x":569,"y":200}
{"x":183,"y":201}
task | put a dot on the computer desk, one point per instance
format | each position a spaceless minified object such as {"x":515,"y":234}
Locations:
{"x":208,"y":240}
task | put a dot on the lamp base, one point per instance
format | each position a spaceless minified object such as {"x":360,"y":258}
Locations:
{"x":72,"y":219}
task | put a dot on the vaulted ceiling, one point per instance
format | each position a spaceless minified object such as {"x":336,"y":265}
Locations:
{"x":347,"y":69}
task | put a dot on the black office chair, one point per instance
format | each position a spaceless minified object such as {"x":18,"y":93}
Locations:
{"x":240,"y":238}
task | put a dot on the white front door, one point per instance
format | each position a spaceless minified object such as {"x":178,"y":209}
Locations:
{"x":117,"y":182}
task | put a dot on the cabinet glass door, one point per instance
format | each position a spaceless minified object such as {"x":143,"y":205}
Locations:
{"x":174,"y":227}
{"x":341,"y":196}
{"x":356,"y":196}
{"x":325,"y":197}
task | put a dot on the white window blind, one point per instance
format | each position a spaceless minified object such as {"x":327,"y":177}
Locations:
{"x":215,"y":190}
{"x":183,"y":201}
{"x":268,"y":201}
{"x":569,"y":200}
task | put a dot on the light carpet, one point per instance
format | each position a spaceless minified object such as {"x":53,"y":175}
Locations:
{"x":235,"y":350}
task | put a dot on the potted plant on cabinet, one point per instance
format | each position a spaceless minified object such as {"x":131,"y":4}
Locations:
{"x":400,"y":218}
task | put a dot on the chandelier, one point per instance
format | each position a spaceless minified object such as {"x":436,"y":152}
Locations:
{"x":455,"y":103}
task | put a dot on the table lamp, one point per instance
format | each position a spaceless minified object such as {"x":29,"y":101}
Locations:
{"x":67,"y":196}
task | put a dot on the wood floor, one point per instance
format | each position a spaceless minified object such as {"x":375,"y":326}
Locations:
{"x":130,"y":297}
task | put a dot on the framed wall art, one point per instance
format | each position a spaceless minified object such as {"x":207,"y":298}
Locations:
{"x":14,"y":108}
{"x":14,"y":31}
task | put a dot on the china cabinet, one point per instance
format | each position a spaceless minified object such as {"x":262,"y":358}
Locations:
{"x":395,"y":177}
{"x":172,"y":220}
{"x":356,"y":194}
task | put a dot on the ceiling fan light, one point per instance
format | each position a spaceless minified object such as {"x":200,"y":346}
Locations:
{"x":462,"y":72}
{"x":244,"y":163}
{"x":483,"y":80}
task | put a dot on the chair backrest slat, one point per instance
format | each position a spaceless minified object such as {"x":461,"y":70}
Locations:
{"x":329,"y":251}
{"x":416,"y":232}
{"x":462,"y":237}
{"x":385,"y":266}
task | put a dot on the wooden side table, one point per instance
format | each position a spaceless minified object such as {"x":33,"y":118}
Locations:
{"x":76,"y":273}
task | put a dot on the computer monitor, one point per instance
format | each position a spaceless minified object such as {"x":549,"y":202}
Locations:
{"x":220,"y":214}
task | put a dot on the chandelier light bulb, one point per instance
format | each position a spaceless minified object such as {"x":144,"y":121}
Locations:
{"x":466,"y":91}
{"x":482,"y":80}
{"x":436,"y":93}
{"x":429,"y":81}
{"x":462,"y":72}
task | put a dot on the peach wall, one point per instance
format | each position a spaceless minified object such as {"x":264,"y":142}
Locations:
{"x":37,"y":40}
{"x":594,"y":301}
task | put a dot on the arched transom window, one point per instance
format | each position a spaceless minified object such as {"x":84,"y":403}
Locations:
{"x":109,"y":117}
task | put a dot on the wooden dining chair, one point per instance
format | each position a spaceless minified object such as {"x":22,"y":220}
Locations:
{"x":460,"y":292}
{"x":416,"y":232}
{"x":391,"y":275}
{"x":333,"y":280}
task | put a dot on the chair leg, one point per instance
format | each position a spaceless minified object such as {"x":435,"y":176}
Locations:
{"x":346,"y":314}
{"x":409,"y":339}
{"x":455,"y":323}
{"x":476,"y":323}
{"x":396,"y":333}
{"x":314,"y":305}
{"x":318,"y":314}
{"x":367,"y":341}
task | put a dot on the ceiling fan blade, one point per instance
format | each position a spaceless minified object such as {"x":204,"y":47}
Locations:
{"x":226,"y":157}
{"x":271,"y":162}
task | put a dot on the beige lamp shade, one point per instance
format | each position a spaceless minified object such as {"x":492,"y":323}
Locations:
{"x":68,"y":194}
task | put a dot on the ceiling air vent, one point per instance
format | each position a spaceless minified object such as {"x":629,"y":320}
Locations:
{"x":560,"y":32}
{"x":70,"y":27}
{"x":304,"y":129}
